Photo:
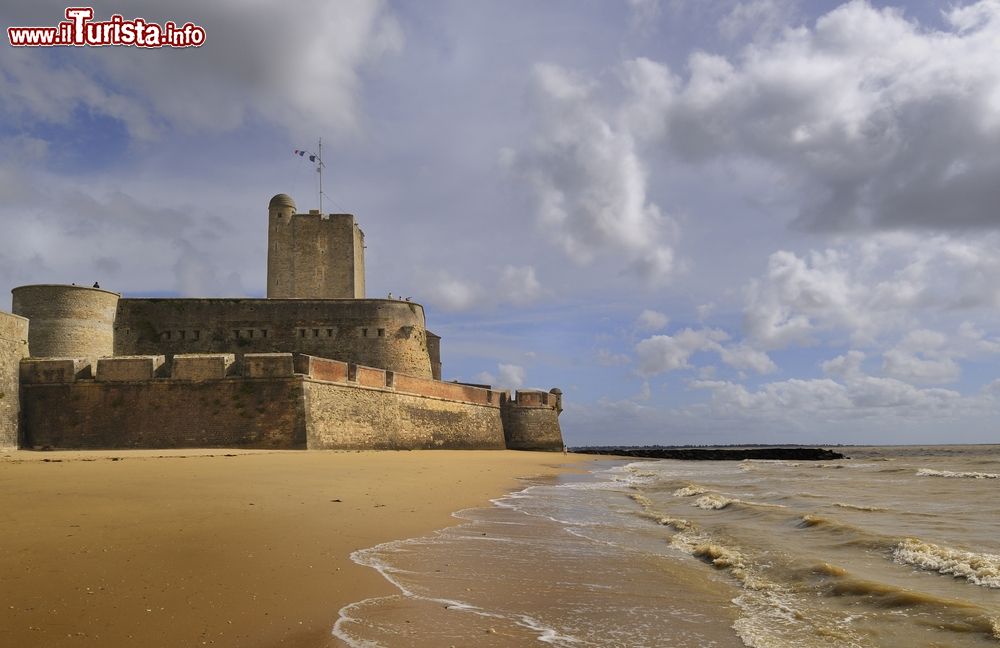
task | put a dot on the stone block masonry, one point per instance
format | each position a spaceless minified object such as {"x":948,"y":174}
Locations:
{"x":328,"y":405}
{"x":196,"y":366}
{"x":54,"y":370}
{"x":531,"y":420}
{"x":13,"y":347}
{"x":163,"y":413}
{"x":129,"y":368}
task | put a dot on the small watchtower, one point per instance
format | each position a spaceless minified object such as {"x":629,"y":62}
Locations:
{"x":314,"y":255}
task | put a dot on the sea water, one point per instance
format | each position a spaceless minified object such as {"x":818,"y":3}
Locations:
{"x":897,"y":546}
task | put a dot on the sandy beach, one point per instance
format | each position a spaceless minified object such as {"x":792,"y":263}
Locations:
{"x":218,"y":547}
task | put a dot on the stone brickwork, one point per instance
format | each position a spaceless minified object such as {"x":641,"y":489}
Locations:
{"x":313,"y":256}
{"x":203,"y":366}
{"x":68,"y":321}
{"x":383,"y":333}
{"x":350,"y":407}
{"x":268,"y":365}
{"x":13,"y":347}
{"x":434,"y":351}
{"x":231,"y":413}
{"x":347,"y":417}
{"x":531,"y":420}
{"x":54,"y":370}
{"x":129,"y":368}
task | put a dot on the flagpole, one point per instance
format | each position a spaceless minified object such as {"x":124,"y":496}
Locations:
{"x":321,"y":175}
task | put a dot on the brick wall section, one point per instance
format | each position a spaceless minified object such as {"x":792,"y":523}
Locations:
{"x":13,"y":347}
{"x":347,"y":417}
{"x":368,"y":377}
{"x":231,"y":413}
{"x":453,"y":391}
{"x":321,"y":368}
{"x":388,"y":334}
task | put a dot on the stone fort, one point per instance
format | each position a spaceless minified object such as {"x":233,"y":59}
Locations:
{"x":314,"y":365}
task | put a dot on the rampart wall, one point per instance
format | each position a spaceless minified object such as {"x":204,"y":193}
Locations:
{"x":279,"y":402}
{"x":67,"y":321}
{"x":13,"y":347}
{"x":372,"y":332}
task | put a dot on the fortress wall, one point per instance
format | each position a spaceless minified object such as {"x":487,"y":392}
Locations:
{"x":531,"y":421}
{"x":230,"y":413}
{"x":346,"y":417}
{"x":13,"y":347}
{"x":534,"y":428}
{"x":68,"y":321}
{"x":381,"y":333}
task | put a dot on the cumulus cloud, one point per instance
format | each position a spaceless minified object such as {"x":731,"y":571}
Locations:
{"x":587,"y":175}
{"x":663,"y":353}
{"x":869,"y":287}
{"x":510,"y":376}
{"x":825,"y":399}
{"x":519,"y":285}
{"x":651,"y":320}
{"x":265,"y":63}
{"x":451,"y":293}
{"x":881,"y":121}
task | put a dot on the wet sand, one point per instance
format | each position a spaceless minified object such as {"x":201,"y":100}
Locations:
{"x":218,"y":547}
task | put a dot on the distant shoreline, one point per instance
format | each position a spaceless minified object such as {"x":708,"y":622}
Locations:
{"x":715,"y":454}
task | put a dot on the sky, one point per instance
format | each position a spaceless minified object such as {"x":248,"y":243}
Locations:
{"x":738,"y":221}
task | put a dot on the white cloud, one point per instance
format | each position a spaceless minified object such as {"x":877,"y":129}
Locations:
{"x":743,"y":356}
{"x":511,"y":376}
{"x":651,"y":320}
{"x":845,"y":366}
{"x":519,"y":285}
{"x":868,"y":288}
{"x":451,"y":293}
{"x":824,"y":399}
{"x":663,"y":353}
{"x":588,"y":178}
{"x":260,"y":63}
{"x":878,"y":120}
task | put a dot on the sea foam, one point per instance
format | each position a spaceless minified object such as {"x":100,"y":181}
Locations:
{"x":982,"y":569}
{"x":928,"y":472}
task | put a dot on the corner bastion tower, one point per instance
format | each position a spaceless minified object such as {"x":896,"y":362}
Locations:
{"x":315,"y":364}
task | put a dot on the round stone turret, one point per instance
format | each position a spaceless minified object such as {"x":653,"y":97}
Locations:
{"x":281,"y":205}
{"x":67,"y":321}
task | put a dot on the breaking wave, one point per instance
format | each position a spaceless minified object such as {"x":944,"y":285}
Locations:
{"x":981,"y":569}
{"x":928,"y":472}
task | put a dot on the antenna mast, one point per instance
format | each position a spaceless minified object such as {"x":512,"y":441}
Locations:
{"x":319,"y":169}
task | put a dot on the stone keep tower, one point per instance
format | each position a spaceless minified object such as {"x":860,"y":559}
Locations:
{"x":313,"y":256}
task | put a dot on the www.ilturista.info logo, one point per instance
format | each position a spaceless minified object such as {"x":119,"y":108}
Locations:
{"x":79,"y":29}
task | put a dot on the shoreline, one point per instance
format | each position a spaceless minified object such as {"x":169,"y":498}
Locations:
{"x":220,"y":547}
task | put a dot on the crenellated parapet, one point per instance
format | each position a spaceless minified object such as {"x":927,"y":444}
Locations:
{"x":276,"y":400}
